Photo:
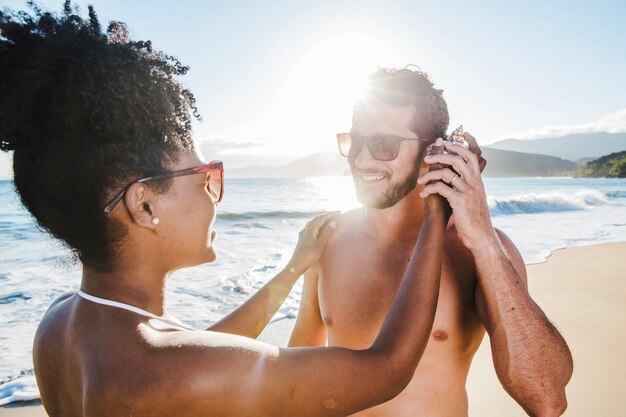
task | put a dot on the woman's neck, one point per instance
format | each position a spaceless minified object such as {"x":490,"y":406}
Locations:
{"x":140,"y":286}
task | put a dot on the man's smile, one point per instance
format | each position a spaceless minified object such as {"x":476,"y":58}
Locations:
{"x":371,"y":178}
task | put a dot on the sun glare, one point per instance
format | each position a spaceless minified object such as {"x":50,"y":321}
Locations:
{"x":319,"y":90}
{"x":336,"y":193}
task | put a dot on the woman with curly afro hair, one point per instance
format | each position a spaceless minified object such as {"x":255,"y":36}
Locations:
{"x":103,"y":158}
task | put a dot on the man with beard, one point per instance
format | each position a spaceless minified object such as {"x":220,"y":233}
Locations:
{"x":347,"y":294}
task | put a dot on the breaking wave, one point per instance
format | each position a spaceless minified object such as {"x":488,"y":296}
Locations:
{"x":547,"y":202}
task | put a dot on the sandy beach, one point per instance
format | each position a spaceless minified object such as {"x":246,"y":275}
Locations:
{"x":583,"y":291}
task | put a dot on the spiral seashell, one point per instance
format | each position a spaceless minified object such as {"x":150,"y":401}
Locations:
{"x":456,"y":137}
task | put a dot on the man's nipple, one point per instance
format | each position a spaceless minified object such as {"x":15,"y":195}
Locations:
{"x":440,"y":335}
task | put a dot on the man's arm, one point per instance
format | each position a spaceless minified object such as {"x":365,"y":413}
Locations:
{"x":531,"y":358}
{"x":309,"y":329}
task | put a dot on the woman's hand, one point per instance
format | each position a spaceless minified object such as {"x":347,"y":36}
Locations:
{"x":460,"y":182}
{"x":313,"y":238}
{"x":251,"y":317}
{"x":435,"y":204}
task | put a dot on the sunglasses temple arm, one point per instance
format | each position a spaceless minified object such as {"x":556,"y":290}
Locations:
{"x":109,"y":207}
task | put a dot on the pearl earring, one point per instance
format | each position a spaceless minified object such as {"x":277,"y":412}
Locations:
{"x":155,"y":221}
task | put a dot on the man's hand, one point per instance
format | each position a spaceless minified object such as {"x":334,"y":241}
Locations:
{"x":461,"y":184}
{"x":475,"y":149}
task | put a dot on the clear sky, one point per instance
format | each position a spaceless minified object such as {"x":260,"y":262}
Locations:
{"x":277,"y":78}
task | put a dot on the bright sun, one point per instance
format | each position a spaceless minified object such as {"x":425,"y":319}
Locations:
{"x":319,"y":91}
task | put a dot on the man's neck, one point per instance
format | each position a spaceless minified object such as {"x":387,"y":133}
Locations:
{"x":404,"y":219}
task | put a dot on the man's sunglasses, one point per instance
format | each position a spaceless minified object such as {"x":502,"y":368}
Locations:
{"x":381,"y":147}
{"x":215,"y":182}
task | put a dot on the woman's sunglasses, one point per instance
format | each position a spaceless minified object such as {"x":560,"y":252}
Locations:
{"x":215,"y":182}
{"x":381,"y":147}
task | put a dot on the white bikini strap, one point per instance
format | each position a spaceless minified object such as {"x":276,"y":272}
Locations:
{"x":137,"y":310}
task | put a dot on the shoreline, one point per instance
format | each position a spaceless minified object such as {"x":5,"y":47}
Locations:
{"x":582,"y":290}
{"x":574,"y":246}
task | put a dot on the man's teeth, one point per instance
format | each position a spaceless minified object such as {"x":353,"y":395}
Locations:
{"x":372,"y":177}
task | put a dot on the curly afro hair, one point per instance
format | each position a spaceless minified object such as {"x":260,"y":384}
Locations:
{"x":406,"y":87}
{"x":85,"y":112}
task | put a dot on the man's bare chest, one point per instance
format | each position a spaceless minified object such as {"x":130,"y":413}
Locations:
{"x":358,"y":282}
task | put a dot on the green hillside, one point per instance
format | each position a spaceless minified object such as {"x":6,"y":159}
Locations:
{"x":517,"y":164}
{"x":609,"y":166}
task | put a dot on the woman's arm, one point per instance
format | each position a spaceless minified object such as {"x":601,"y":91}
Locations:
{"x":227,"y":375}
{"x":251,"y":317}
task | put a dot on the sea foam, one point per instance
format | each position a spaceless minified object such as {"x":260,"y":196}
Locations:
{"x":546,"y":202}
{"x":21,"y":389}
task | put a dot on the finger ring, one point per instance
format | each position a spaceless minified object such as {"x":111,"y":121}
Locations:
{"x":452,"y":179}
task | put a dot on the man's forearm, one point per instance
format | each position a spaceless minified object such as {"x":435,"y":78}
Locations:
{"x":531,"y":358}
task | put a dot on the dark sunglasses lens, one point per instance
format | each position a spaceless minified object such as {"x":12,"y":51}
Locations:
{"x":355,"y":147}
{"x":356,"y":144}
{"x":384,"y":148}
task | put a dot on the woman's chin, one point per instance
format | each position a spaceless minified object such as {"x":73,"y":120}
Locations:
{"x":212,"y":255}
{"x":211,"y":249}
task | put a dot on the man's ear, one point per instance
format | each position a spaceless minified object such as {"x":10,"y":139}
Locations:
{"x":138,"y":200}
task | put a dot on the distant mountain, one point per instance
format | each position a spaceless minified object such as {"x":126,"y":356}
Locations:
{"x":517,"y":164}
{"x":319,"y":164}
{"x":583,"y":161}
{"x":609,"y":166}
{"x":499,"y":164}
{"x":572,"y":147}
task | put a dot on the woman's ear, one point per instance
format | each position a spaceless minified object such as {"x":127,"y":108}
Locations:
{"x":138,"y":201}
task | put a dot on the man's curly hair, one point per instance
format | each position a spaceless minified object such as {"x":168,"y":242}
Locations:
{"x":406,"y":87}
{"x":85,"y":112}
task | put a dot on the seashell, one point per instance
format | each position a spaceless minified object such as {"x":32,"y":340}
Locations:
{"x":456,"y":136}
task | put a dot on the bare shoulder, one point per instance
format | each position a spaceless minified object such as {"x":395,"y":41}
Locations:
{"x":462,"y":260}
{"x":513,"y":254}
{"x":348,"y":224}
{"x":61,"y":299}
{"x":350,"y":218}
{"x":507,"y":244}
{"x":55,"y":315}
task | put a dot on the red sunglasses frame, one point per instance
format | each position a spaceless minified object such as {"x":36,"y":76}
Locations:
{"x":211,"y":166}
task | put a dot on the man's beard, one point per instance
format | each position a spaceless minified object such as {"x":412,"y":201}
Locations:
{"x":394,"y":193}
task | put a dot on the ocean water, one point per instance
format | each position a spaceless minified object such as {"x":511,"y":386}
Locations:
{"x":258,"y":224}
